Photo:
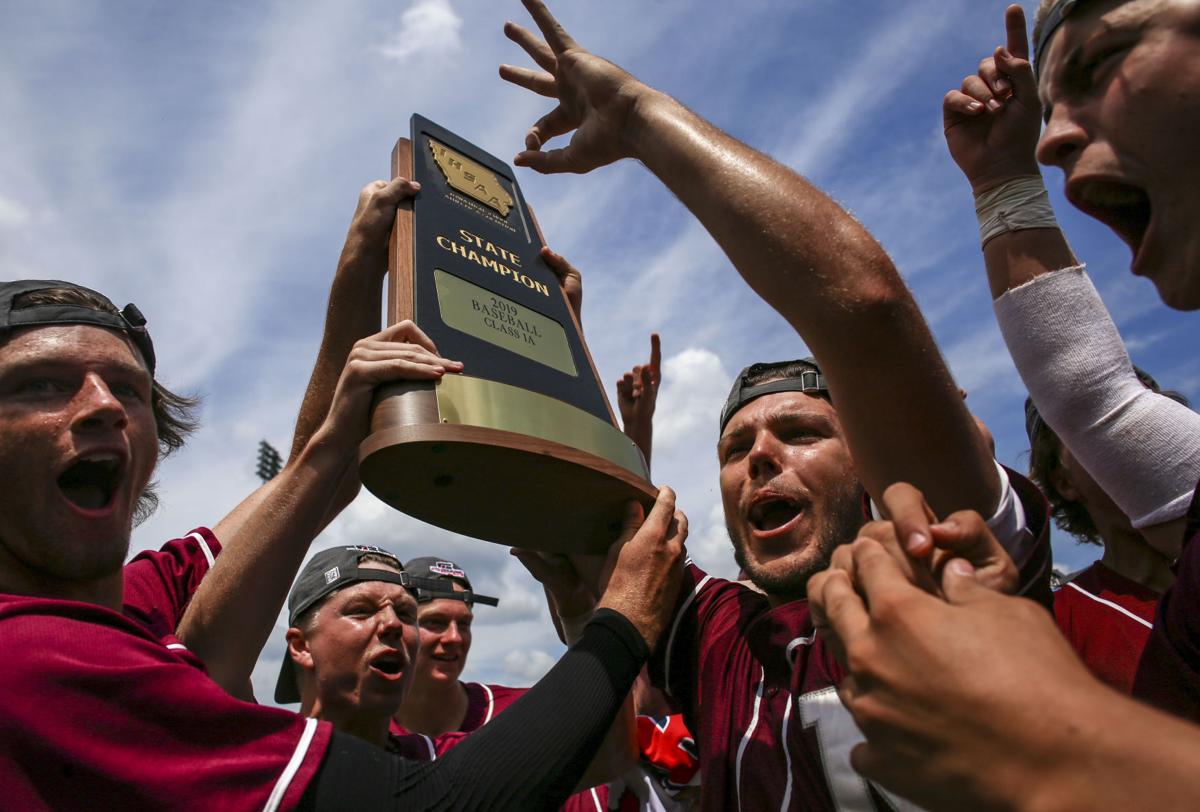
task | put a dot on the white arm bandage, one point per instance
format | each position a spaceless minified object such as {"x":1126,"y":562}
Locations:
{"x":1142,"y":448}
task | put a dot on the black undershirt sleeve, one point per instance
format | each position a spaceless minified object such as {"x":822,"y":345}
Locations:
{"x":529,"y":757}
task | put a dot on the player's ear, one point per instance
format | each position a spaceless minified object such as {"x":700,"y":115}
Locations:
{"x":298,"y":648}
{"x":1060,"y":478}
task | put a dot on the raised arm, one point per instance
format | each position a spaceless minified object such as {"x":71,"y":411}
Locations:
{"x":1141,"y":447}
{"x":234,"y":609}
{"x":572,"y":603}
{"x":637,"y":395}
{"x":992,"y":125}
{"x":796,"y":248}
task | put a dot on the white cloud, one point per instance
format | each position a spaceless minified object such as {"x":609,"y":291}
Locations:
{"x":695,"y":384}
{"x":525,"y":666}
{"x":208,"y":173}
{"x":427,"y":28}
{"x":709,"y":544}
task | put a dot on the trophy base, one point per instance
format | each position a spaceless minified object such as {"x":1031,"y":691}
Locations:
{"x":502,"y":486}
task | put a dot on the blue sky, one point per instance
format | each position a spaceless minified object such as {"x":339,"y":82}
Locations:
{"x":203,"y":160}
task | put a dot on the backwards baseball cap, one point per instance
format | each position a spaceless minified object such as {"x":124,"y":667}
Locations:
{"x":1050,"y":24}
{"x":443,"y":574}
{"x":801,"y":375}
{"x":14,"y":315}
{"x":327,"y":571}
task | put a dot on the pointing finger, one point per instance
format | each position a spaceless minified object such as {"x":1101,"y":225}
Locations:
{"x":1014,"y":26}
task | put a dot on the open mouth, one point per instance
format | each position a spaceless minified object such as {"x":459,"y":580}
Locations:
{"x":772,"y":513}
{"x":91,"y":482}
{"x":391,"y":665}
{"x":1122,"y":207}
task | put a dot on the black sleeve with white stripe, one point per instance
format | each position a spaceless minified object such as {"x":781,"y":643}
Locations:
{"x":530,"y":757}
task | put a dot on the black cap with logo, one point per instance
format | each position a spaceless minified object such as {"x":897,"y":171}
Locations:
{"x":128,"y":320}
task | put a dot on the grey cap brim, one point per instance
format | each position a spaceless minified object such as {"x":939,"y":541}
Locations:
{"x":287,"y":690}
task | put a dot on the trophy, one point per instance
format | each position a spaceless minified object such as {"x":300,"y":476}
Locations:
{"x":522,"y":448}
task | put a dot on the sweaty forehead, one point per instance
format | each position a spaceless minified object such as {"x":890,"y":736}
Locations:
{"x":1090,"y":20}
{"x":62,"y":343}
{"x":447,"y":607}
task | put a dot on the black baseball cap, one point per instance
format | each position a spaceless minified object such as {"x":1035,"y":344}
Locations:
{"x":436,"y":571}
{"x":327,"y":571}
{"x":128,"y":320}
{"x":800,"y":375}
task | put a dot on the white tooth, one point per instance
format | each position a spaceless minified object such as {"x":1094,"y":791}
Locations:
{"x":106,"y":456}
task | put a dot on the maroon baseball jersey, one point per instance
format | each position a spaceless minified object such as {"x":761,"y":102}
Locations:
{"x":159,"y":584}
{"x":757,"y":687}
{"x":1169,"y":673}
{"x":100,"y":711}
{"x":483,"y":703}
{"x":1107,"y":618}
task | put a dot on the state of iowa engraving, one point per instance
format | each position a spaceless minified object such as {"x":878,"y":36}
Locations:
{"x":468,"y":177}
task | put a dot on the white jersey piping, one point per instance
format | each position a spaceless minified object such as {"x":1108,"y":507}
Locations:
{"x":293,"y":766}
{"x":1110,"y":604}
{"x":204,"y":548}
{"x":491,"y":703}
{"x":741,"y":751}
{"x":787,"y":753}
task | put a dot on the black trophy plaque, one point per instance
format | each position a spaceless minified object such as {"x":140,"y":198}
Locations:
{"x":522,"y":448}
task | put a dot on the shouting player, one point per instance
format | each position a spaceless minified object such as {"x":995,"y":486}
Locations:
{"x":1120,"y":81}
{"x":80,"y":421}
{"x":1118,"y":459}
{"x":798,"y":443}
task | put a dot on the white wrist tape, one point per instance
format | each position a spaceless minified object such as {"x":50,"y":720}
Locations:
{"x":1142,"y":448}
{"x":1019,"y":204}
{"x":572,"y":627}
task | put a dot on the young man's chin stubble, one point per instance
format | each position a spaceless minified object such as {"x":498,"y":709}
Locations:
{"x":791,"y":583}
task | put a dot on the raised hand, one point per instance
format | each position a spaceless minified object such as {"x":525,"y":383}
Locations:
{"x":594,"y":97}
{"x":643,"y":572}
{"x":569,"y":279}
{"x":366,"y":248}
{"x":963,"y":534}
{"x":637,"y":395}
{"x":400,"y":352}
{"x":993,"y":122}
{"x":922,"y":546}
{"x":941,"y":687}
